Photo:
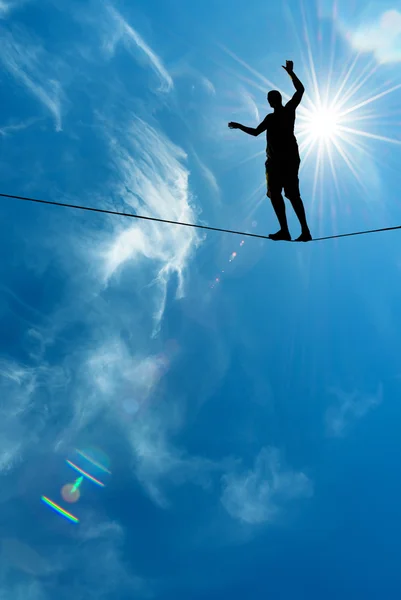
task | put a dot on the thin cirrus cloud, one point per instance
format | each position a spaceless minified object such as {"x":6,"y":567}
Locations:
{"x":21,"y":390}
{"x":128,"y":384}
{"x":12,"y":128}
{"x":348,"y":408}
{"x":27,"y":62}
{"x":120,"y":31}
{"x":382,"y":37}
{"x":17,"y":388}
{"x":101,"y":550}
{"x":259,"y":495}
{"x":152,"y":179}
{"x":7,"y":7}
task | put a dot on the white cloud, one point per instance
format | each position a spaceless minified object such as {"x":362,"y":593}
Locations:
{"x":6,"y":130}
{"x":250,"y":104}
{"x":127,"y":385}
{"x":349,"y":408}
{"x":207,"y":174}
{"x":27,"y":62}
{"x":21,"y":390}
{"x":17,"y":387}
{"x":7,"y":7}
{"x":121,"y":31}
{"x":258,"y":495}
{"x":158,"y":461}
{"x":183,"y":68}
{"x":102,"y":555}
{"x":18,"y":555}
{"x":152,"y":167}
{"x":382,"y":37}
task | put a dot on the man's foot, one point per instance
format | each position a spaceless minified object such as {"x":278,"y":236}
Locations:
{"x":304,"y":237}
{"x":281,"y":235}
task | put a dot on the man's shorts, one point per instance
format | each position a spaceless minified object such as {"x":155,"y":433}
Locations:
{"x":281,"y":175}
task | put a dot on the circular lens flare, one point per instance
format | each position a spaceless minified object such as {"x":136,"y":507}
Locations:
{"x":70,"y":493}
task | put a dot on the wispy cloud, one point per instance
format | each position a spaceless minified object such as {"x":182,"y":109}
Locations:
{"x":152,"y":180}
{"x":207,"y":174}
{"x":258,"y":495}
{"x":349,"y":407}
{"x":120,"y":31}
{"x":7,"y":7}
{"x":21,"y":403}
{"x":27,"y":62}
{"x":250,"y":104}
{"x":17,"y":387}
{"x":159,"y":462}
{"x":7,"y":130}
{"x":127,"y":383}
{"x":100,"y":550}
{"x":382,"y":37}
{"x":17,"y":554}
{"x":183,"y":68}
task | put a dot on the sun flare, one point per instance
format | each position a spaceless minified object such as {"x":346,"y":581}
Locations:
{"x":323,"y":124}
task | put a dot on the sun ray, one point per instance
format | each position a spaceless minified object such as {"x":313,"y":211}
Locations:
{"x":367,"y":134}
{"x":310,"y":57}
{"x":344,"y":81}
{"x":355,"y":87}
{"x":370,"y":100}
{"x":331,"y":60}
{"x":332,"y":167}
{"x":348,"y":162}
{"x":248,"y":67}
{"x":317,"y":171}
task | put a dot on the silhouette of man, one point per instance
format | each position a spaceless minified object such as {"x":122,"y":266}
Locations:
{"x":283,"y":160}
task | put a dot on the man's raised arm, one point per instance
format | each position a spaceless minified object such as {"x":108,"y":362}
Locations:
{"x":255,"y":131}
{"x":299,"y":87}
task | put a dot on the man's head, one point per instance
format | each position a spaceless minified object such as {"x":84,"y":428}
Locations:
{"x":274,"y":99}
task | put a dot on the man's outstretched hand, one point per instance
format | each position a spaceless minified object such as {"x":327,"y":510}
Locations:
{"x":233,"y":125}
{"x":289,"y":66}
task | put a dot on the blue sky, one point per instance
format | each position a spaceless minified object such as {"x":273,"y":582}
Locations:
{"x":245,"y":394}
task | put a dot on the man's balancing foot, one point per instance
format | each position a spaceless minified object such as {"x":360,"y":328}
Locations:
{"x":282,"y":235}
{"x":304,"y":237}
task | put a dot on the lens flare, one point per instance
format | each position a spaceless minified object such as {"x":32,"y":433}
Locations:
{"x":84,"y":473}
{"x":70,"y":494}
{"x":88,"y":456}
{"x":59,"y":510}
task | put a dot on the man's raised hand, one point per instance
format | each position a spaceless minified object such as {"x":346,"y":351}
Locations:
{"x":233,"y":125}
{"x":289,"y":66}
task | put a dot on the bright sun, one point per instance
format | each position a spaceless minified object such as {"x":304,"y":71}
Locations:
{"x":323,"y":124}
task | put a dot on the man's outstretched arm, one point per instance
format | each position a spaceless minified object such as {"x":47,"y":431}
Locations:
{"x":255,"y":131}
{"x":299,"y":87}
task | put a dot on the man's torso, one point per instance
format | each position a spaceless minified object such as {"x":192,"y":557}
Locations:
{"x":281,"y":142}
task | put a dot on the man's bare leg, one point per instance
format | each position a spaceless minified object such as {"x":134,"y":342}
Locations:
{"x":299,"y":210}
{"x":278,"y":204}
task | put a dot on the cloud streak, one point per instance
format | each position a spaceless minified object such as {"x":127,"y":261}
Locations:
{"x":122,"y":31}
{"x":26,"y":62}
{"x":258,"y":496}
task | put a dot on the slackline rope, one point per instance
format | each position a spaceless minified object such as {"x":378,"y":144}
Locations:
{"x":131,"y":215}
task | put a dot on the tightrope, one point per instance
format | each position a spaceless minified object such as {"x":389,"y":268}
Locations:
{"x":193,"y":225}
